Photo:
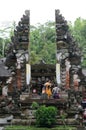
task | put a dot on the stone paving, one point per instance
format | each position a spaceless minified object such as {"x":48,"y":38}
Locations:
{"x":1,"y":128}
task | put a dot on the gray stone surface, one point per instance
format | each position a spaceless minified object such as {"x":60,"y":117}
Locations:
{"x":1,"y":128}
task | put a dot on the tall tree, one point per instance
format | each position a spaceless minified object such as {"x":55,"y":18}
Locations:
{"x":79,"y":32}
{"x":5,"y":37}
{"x":42,"y":42}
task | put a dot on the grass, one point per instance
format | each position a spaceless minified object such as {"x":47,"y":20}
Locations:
{"x":37,"y":128}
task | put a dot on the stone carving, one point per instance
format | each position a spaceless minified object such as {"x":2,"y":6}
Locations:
{"x":67,"y":49}
{"x":17,"y":53}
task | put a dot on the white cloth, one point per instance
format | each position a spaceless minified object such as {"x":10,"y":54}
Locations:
{"x":67,"y":63}
{"x":55,"y":90}
{"x":5,"y":91}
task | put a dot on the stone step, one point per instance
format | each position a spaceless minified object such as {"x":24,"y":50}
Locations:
{"x":1,"y":128}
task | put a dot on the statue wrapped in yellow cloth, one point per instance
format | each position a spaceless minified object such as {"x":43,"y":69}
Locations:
{"x":48,"y":90}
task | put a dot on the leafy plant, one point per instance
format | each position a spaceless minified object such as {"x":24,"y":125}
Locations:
{"x":46,"y":116}
{"x":63,"y":117}
{"x":34,"y":105}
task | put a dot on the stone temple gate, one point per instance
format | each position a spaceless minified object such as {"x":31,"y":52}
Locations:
{"x":21,"y":78}
{"x":67,"y":72}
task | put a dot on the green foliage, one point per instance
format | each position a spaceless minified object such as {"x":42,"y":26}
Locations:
{"x":63,"y":117}
{"x":42,"y":40}
{"x":5,"y":34}
{"x":46,"y":116}
{"x":37,"y":128}
{"x":78,"y":30}
{"x":34,"y":105}
{"x":42,"y":43}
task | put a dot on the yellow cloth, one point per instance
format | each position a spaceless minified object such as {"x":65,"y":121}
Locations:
{"x":48,"y":91}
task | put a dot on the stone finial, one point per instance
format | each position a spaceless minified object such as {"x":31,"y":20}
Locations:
{"x":57,"y":11}
{"x":27,"y":12}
